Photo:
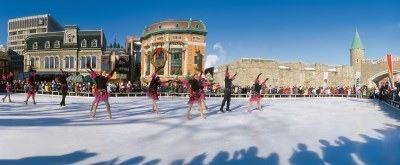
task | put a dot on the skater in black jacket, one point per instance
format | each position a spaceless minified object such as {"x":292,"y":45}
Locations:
{"x":227,"y":91}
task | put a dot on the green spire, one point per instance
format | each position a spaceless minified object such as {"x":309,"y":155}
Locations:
{"x":357,"y":42}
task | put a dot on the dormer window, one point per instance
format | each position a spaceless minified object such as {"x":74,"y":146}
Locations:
{"x":83,"y":43}
{"x":94,"y":43}
{"x":47,"y":45}
{"x":35,"y":45}
{"x":197,"y":26}
{"x":57,"y":44}
{"x":159,"y":27}
{"x":177,"y":26}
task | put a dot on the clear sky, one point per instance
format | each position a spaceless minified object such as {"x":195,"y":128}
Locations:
{"x":311,"y":31}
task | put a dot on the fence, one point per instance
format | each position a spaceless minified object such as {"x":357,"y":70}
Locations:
{"x":168,"y":94}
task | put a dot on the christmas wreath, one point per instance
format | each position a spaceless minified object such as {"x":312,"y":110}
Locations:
{"x":155,"y":52}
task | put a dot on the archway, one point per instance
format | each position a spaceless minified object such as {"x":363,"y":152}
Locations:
{"x":375,"y":79}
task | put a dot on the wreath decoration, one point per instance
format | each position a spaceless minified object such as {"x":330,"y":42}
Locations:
{"x":155,"y":52}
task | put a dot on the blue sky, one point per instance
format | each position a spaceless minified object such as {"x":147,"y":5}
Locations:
{"x":312,"y":31}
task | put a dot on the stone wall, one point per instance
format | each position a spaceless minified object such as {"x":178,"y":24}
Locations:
{"x":285,"y":74}
{"x":376,"y":69}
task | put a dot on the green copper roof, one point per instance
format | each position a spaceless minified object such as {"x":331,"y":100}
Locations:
{"x":357,"y":42}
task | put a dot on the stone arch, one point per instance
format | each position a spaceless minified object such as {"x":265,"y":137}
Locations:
{"x":374,"y":80}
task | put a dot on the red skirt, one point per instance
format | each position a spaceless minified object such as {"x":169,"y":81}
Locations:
{"x":202,"y":94}
{"x":101,"y":95}
{"x":152,"y":94}
{"x":194,"y":96}
{"x":31,"y":91}
{"x":255,"y":97}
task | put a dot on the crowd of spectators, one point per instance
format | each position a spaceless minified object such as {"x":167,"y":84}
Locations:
{"x":175,"y":87}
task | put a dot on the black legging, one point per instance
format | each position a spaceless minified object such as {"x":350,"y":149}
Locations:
{"x":63,"y":93}
{"x":227,"y":98}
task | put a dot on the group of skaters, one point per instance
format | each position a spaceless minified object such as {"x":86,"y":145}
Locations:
{"x":196,"y":84}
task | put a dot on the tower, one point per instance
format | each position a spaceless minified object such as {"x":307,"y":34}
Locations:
{"x":356,"y":53}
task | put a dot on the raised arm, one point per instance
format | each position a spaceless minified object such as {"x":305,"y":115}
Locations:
{"x":201,"y":73}
{"x":263,"y":84}
{"x":234,"y":76}
{"x":62,"y":72}
{"x":227,"y":72}
{"x":88,"y":65}
{"x":258,"y":77}
{"x":92,"y":73}
{"x":111,"y":73}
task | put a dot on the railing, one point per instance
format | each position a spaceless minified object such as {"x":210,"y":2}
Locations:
{"x":184,"y":95}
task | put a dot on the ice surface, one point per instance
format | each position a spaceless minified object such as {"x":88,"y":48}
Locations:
{"x":288,"y":131}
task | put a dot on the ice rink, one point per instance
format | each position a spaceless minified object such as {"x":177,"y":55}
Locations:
{"x":288,"y":131}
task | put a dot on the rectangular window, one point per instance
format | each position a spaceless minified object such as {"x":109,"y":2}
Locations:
{"x":176,"y":63}
{"x":67,"y":62}
{"x":159,"y":60}
{"x":71,"y":62}
{"x":196,"y":38}
{"x":196,"y":60}
{"x":148,"y":65}
{"x":160,"y":38}
{"x":176,"y":37}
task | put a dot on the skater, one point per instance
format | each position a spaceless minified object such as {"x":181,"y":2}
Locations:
{"x":227,"y":91}
{"x":9,"y":82}
{"x":64,"y":86}
{"x":194,"y":96}
{"x":101,"y":94}
{"x":205,"y":84}
{"x":256,"y":96}
{"x":31,"y":85}
{"x":152,"y":93}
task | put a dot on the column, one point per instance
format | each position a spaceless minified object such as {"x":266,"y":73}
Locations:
{"x":185,"y":66}
{"x":144,"y":58}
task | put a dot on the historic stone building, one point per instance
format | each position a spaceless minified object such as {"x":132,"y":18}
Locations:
{"x":300,"y":74}
{"x":109,"y":61}
{"x":4,"y":58}
{"x":133,"y":47}
{"x":182,"y":41}
{"x":19,"y":29}
{"x":70,"y":49}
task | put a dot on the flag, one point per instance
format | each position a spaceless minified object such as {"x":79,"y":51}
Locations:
{"x":390,"y":71}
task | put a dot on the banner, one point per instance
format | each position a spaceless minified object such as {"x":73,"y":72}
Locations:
{"x":325,"y":84}
{"x":390,"y":71}
{"x":357,"y":77}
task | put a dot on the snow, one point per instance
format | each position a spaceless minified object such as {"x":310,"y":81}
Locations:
{"x":288,"y":131}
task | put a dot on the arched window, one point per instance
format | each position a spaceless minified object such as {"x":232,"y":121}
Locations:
{"x":37,"y":60}
{"x":357,"y":60}
{"x":33,"y":61}
{"x":88,"y":60}
{"x":197,"y":26}
{"x":51,"y":62}
{"x":47,"y":45}
{"x":57,"y":44}
{"x":159,"y":27}
{"x":35,"y":45}
{"x":94,"y":43}
{"x":94,"y":64}
{"x":83,"y":62}
{"x":56,"y":62}
{"x":46,"y":62}
{"x":71,"y":62}
{"x":177,"y":26}
{"x":66,"y":59}
{"x":83,"y":43}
